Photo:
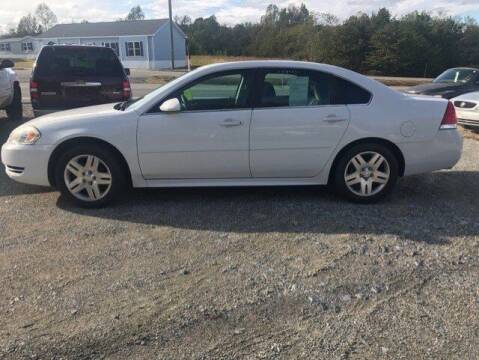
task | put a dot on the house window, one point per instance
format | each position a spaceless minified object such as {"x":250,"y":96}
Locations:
{"x":5,"y":47}
{"x":134,"y":48}
{"x":112,"y":45}
{"x":27,"y":46}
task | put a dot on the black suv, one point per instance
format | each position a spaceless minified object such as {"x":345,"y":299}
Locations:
{"x":67,"y":77}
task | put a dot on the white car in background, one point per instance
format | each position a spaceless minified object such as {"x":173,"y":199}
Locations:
{"x":257,"y":123}
{"x":467,"y":109}
{"x":10,"y":92}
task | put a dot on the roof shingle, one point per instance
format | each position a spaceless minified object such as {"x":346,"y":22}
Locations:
{"x":116,"y":28}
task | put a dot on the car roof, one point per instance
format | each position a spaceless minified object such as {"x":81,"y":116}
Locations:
{"x":359,"y":79}
{"x":288,"y":64}
{"x":464,"y":68}
{"x":267,"y":63}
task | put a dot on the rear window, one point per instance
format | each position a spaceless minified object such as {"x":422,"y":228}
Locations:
{"x":345,"y":92}
{"x":58,"y":61}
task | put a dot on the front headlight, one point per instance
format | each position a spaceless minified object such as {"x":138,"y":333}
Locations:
{"x":24,"y":135}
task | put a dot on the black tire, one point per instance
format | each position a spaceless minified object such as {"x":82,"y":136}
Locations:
{"x":344,"y":162}
{"x":15,"y":109}
{"x":107,"y":156}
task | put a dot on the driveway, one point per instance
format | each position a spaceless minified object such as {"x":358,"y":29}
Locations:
{"x":257,"y":273}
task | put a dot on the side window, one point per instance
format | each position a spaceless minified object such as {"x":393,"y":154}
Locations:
{"x":283,"y":88}
{"x":134,"y":48}
{"x":344,"y":92}
{"x":222,"y":92}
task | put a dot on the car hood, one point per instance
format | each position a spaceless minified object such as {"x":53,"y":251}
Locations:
{"x":433,"y":88}
{"x":474,"y":96}
{"x":58,"y":119}
{"x":87,"y":121}
{"x":101,"y":121}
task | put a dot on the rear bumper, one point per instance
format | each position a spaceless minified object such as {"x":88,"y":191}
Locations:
{"x":443,"y":152}
{"x":27,"y":164}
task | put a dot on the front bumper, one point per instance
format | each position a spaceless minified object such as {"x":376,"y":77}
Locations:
{"x":27,"y":164}
{"x":468,"y":117}
{"x":442,"y":152}
{"x":5,"y":102}
{"x":468,"y":122}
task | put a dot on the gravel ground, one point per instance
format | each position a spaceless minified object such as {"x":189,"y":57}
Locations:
{"x":260,"y":273}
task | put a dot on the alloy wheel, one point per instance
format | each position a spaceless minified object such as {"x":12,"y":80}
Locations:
{"x":88,"y":178}
{"x":367,"y":173}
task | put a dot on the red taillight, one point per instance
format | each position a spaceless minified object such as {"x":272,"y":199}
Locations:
{"x":34,"y":90}
{"x":126,"y":90}
{"x":449,"y":121}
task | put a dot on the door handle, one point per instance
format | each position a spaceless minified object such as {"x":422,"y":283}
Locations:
{"x":231,"y":123}
{"x":331,"y":118}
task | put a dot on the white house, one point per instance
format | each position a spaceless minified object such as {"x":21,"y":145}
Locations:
{"x":19,"y":48}
{"x":138,"y":43}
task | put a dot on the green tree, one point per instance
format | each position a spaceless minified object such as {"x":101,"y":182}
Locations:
{"x":136,"y":13}
{"x":45,"y":16}
{"x":469,"y":45}
{"x":353,"y":42}
{"x":28,"y":26}
{"x":416,"y":44}
{"x":384,"y":57}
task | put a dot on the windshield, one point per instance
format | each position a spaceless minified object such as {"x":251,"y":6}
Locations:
{"x":139,"y":102}
{"x":459,"y":76}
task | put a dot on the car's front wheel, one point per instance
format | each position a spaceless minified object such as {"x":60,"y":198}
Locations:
{"x":366,"y":173}
{"x":89,"y":175}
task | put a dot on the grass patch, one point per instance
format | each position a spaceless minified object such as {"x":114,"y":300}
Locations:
{"x":23,"y":63}
{"x":159,"y":79}
{"x":202,"y":60}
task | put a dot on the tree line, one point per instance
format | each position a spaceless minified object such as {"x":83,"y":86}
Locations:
{"x":41,"y":20}
{"x":416,"y":44}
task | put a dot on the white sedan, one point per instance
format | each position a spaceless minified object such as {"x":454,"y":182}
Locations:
{"x":241,"y":124}
{"x":467,"y":108}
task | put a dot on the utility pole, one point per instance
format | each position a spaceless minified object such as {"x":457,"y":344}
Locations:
{"x":171,"y":37}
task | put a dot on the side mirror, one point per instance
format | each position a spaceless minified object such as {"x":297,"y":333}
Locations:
{"x":127,"y":71}
{"x":170,"y":106}
{"x":6,"y":64}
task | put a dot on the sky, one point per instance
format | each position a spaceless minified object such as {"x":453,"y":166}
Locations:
{"x":227,"y":11}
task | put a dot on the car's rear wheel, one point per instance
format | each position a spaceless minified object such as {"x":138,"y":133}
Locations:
{"x":15,"y":109}
{"x":90,"y":175}
{"x":366,"y":173}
